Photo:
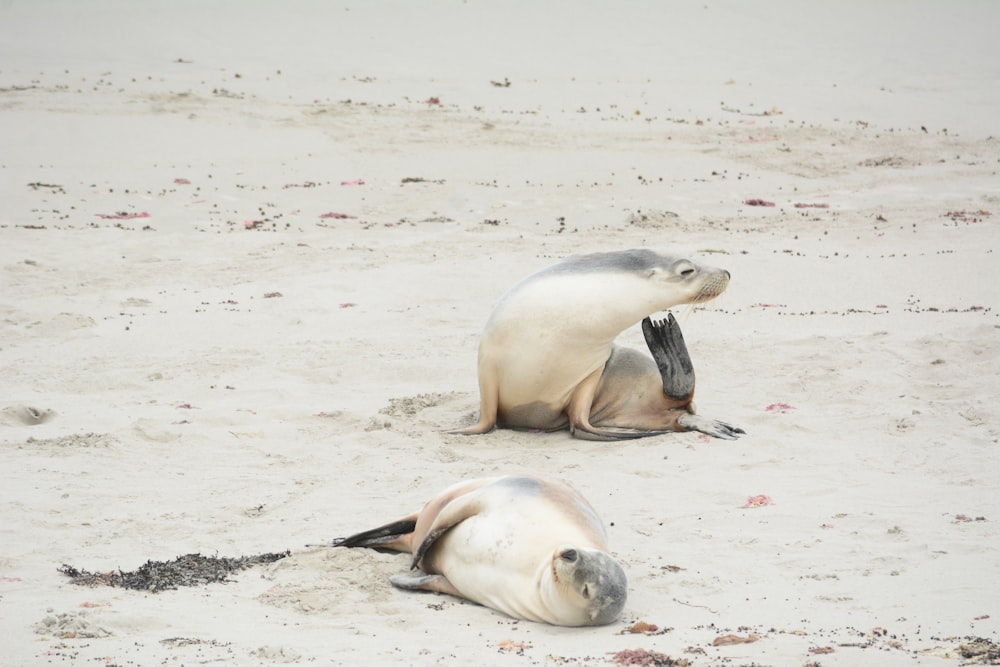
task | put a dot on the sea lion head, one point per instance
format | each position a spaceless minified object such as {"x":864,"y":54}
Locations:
{"x":663,"y":279}
{"x":591,"y":584}
{"x":699,"y":282}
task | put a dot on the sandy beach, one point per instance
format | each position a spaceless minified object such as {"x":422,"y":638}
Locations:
{"x":247,"y":251}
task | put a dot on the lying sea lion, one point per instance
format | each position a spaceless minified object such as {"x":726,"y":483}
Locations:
{"x":529,"y":546}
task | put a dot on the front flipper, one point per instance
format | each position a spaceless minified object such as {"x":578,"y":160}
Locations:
{"x":578,"y":414}
{"x":610,"y":433}
{"x":489,"y":402}
{"x":711,"y":427}
{"x":436,"y":583}
{"x":455,"y":512}
{"x":666,"y":344}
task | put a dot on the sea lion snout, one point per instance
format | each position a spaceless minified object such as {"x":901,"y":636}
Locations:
{"x":713,"y":286}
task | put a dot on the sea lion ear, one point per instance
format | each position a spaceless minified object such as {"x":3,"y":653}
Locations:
{"x":653,"y":271}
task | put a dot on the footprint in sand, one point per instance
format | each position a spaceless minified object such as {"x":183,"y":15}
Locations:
{"x":25,"y":415}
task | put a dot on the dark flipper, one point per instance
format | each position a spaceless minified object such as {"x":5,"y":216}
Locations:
{"x":374,"y":538}
{"x":436,"y":583}
{"x":611,"y":433}
{"x":426,"y":545}
{"x":414,"y":582}
{"x":712,"y":427}
{"x":666,"y":344}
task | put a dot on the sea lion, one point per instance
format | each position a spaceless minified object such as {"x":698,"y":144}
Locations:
{"x":547,"y":358}
{"x":529,"y":546}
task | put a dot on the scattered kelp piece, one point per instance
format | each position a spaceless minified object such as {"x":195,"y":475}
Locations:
{"x":155,"y":576}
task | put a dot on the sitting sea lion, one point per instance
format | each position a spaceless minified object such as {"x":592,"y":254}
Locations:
{"x":547,"y":358}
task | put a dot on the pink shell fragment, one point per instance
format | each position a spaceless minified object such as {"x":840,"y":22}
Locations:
{"x":356,"y":181}
{"x":758,"y":202}
{"x":780,"y":408}
{"x":758,"y":501}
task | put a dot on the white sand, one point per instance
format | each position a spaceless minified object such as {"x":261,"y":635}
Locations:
{"x":318,"y":412}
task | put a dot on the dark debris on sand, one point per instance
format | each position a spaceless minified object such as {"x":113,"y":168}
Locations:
{"x":980,"y":651}
{"x":154,"y":576}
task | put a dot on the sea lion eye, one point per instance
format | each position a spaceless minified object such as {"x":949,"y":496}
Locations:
{"x":685,"y":270}
{"x":569,"y":555}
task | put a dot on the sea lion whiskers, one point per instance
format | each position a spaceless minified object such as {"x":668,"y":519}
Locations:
{"x":713,"y":287}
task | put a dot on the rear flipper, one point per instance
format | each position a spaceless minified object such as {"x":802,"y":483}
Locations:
{"x":666,"y":344}
{"x":391,"y":537}
{"x":711,"y":427}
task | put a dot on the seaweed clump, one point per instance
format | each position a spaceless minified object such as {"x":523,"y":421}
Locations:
{"x":155,"y":576}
